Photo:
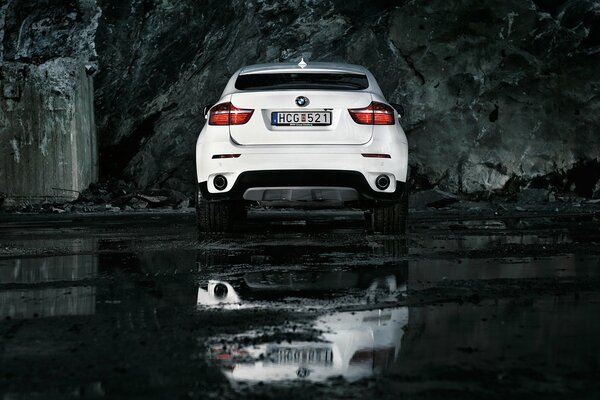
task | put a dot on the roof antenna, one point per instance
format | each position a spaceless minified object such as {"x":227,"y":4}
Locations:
{"x":302,"y":64}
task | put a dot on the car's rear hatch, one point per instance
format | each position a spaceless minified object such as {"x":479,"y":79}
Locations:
{"x":278,"y":120}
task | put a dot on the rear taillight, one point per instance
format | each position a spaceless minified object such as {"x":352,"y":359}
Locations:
{"x":239,"y":116}
{"x":228,"y":114}
{"x":219,"y":114}
{"x":375,"y":114}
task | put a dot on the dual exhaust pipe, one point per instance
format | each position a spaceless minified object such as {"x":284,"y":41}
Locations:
{"x":382,"y":182}
{"x":220,"y":182}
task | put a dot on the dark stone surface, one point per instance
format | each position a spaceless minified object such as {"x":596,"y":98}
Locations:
{"x":431,"y":198}
{"x":48,"y":145}
{"x":498,"y":93}
{"x":532,"y":196}
{"x":493,"y":90}
{"x":40,"y":30}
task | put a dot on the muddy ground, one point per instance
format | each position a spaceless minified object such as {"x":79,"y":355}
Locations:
{"x":475,"y":302}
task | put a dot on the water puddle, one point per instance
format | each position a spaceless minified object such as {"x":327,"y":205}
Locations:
{"x":47,"y":302}
{"x":300,"y":302}
{"x":481,"y":242}
{"x":424,"y":341}
{"x":48,"y":269}
{"x":428,"y":272}
{"x":319,"y":271}
{"x":47,"y":286}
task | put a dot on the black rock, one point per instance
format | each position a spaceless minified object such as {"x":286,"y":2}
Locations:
{"x":532,"y":196}
{"x":431,"y":198}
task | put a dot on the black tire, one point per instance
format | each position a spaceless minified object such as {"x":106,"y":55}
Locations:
{"x":391,"y":247}
{"x":389,"y":219}
{"x":239,"y":211}
{"x":214,"y":216}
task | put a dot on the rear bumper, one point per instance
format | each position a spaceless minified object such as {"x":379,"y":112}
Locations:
{"x":300,"y":178}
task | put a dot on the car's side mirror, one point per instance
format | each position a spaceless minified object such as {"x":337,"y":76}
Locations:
{"x":399,"y":108}
{"x":206,"y":109}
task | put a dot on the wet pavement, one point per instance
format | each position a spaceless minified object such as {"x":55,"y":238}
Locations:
{"x":300,"y":304}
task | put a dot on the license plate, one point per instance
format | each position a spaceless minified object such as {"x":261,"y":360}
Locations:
{"x":303,"y":355}
{"x":300,"y":118}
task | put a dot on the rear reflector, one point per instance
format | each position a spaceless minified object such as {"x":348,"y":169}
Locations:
{"x":228,"y":114}
{"x":373,"y":155}
{"x":375,"y":114}
{"x":217,"y":156}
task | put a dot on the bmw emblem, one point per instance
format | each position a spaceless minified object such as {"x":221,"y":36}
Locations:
{"x":302,"y":372}
{"x":301,"y":101}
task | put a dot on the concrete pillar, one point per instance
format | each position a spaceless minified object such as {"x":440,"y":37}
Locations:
{"x":48,"y":148}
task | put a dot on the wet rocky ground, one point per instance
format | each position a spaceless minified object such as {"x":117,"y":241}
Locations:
{"x":478,"y":300}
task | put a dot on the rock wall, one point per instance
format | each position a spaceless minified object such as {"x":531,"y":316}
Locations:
{"x":500,"y":90}
{"x":500,"y":94}
{"x":48,"y":143}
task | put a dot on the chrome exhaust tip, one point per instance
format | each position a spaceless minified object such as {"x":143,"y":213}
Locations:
{"x":220,"y":182}
{"x":220,"y":291}
{"x":382,"y":182}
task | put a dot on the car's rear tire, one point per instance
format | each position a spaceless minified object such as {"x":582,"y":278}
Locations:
{"x":389,"y":219}
{"x":214,"y":216}
{"x":239,"y":211}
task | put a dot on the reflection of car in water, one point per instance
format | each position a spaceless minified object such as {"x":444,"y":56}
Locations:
{"x":218,"y":293}
{"x":354,"y":345}
{"x":376,"y":283}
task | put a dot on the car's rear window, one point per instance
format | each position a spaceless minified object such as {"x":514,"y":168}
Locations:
{"x":302,"y":80}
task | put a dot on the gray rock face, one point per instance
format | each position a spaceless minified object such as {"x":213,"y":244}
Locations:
{"x":493,"y":89}
{"x":47,"y":129}
{"x":532,"y":196}
{"x":496,"y":91}
{"x":513,"y":92}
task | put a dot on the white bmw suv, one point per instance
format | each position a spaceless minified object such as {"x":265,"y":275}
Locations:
{"x":302,"y":135}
